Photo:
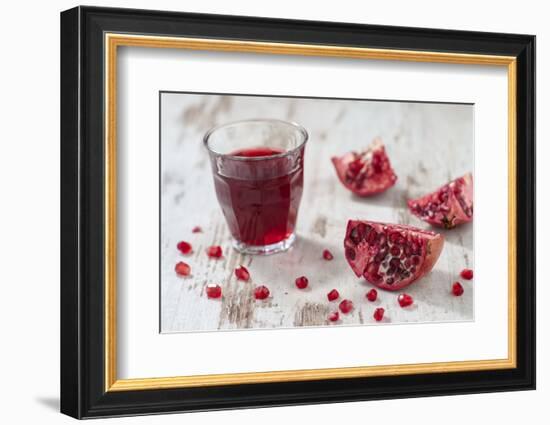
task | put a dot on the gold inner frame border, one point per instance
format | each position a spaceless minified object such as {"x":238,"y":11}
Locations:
{"x":113,"y":41}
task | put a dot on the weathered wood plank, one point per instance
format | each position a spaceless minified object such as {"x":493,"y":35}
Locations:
{"x":428,"y":145}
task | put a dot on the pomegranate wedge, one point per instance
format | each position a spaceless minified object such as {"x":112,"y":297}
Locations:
{"x":450,"y":205}
{"x":366,"y":173}
{"x":390,"y":256}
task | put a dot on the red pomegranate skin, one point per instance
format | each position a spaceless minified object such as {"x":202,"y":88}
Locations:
{"x":390,"y":256}
{"x":366,"y":173}
{"x":449,"y":205}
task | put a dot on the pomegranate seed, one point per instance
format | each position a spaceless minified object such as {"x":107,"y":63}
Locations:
{"x":183,"y":269}
{"x":405,"y":300}
{"x":197,"y":229}
{"x":301,"y":282}
{"x":346,"y":306}
{"x":334,"y":316}
{"x":333,"y":295}
{"x":242,"y":273}
{"x":467,"y":274}
{"x":378,"y":314}
{"x":458,"y":290}
{"x":214,"y":251}
{"x":261,"y":292}
{"x":350,"y":253}
{"x":327,"y":255}
{"x":372,"y":295}
{"x":213,"y":291}
{"x":185,"y":247}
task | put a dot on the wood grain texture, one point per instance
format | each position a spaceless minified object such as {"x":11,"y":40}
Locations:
{"x":428,"y":144}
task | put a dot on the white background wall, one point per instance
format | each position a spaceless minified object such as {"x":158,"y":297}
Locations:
{"x":29,"y":212}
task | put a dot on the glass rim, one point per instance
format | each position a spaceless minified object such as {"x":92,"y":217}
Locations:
{"x":300,"y":129}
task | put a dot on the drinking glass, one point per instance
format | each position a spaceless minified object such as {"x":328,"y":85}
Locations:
{"x":258,"y":168}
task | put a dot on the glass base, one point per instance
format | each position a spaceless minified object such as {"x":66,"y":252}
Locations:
{"x":264,"y":249}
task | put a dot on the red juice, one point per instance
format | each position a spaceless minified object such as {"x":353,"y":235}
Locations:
{"x":255,"y":152}
{"x":259,"y":190}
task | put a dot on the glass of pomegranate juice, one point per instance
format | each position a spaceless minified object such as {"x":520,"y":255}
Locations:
{"x":258,"y":170}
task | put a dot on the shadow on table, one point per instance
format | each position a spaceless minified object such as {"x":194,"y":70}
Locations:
{"x":396,"y":197}
{"x":49,"y":402}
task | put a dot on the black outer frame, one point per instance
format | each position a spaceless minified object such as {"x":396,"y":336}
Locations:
{"x":82,"y":219}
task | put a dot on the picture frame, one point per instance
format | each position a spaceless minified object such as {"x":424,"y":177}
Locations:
{"x":90,"y":40}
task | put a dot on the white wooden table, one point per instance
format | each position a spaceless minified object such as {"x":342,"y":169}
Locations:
{"x":428,"y":145}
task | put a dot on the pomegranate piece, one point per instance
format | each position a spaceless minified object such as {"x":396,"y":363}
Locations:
{"x":346,"y":306}
{"x":378,"y":314}
{"x":214,"y":251}
{"x":405,"y":300}
{"x":448,"y":206}
{"x":327,"y":255}
{"x":301,"y":282}
{"x":457,"y":289}
{"x":390,"y":256}
{"x":183,"y":269}
{"x":197,"y":229}
{"x":261,"y":292}
{"x":372,"y":295}
{"x":334,"y":316}
{"x":333,"y":295}
{"x":467,"y":274}
{"x":242,"y":273}
{"x":184,"y":247}
{"x":213,"y":291}
{"x":366,"y":173}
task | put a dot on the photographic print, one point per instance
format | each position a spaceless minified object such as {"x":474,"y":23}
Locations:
{"x":289,"y":212}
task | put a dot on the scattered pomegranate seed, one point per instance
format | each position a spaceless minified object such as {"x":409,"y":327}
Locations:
{"x":405,"y":300}
{"x":372,"y":295}
{"x":197,"y":229}
{"x":327,"y":255}
{"x":214,"y":251}
{"x":184,"y":247}
{"x":242,"y":273}
{"x":334,"y":316}
{"x":467,"y":274}
{"x":301,"y":282}
{"x":378,"y":314}
{"x":261,"y":292}
{"x":182,"y":269}
{"x":346,"y":306}
{"x":333,"y":295}
{"x":213,"y":291}
{"x":458,"y":290}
